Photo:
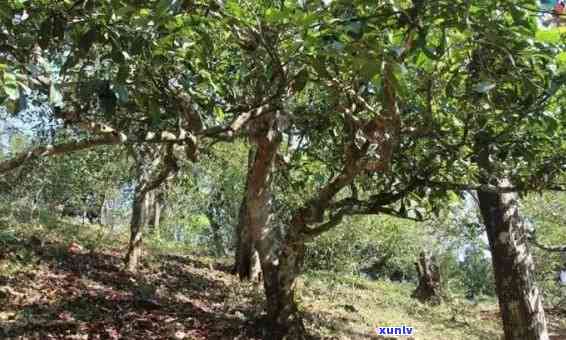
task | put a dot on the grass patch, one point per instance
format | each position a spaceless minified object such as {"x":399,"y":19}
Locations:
{"x":350,"y":307}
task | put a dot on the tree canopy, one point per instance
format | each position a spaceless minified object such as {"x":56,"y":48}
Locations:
{"x":348,"y":108}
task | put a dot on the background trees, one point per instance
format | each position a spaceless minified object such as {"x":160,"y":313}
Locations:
{"x":331,"y":110}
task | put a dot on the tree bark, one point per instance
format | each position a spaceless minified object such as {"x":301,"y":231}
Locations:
{"x":216,"y":236}
{"x":214,"y":215}
{"x":156,"y":217}
{"x":428,"y":289}
{"x":103,"y":211}
{"x":255,"y":266}
{"x":280,"y":263}
{"x":520,"y":302}
{"x":246,"y":264}
{"x":279,"y":277}
{"x":242,"y":243}
{"x":149,"y":178}
{"x":148,"y":210}
{"x":137,"y":221}
{"x":153,"y":210}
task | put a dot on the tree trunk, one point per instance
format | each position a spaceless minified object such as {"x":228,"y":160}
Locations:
{"x":149,"y":210}
{"x":156,"y":217}
{"x":103,"y":212}
{"x":280,"y":262}
{"x":279,"y":277}
{"x":134,"y":254}
{"x":255,"y":266}
{"x":216,"y":236}
{"x":154,"y":201}
{"x":428,"y":289}
{"x":247,"y":264}
{"x":149,"y":178}
{"x":519,"y":299}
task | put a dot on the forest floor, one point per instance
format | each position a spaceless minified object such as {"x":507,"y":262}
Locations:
{"x":49,"y":292}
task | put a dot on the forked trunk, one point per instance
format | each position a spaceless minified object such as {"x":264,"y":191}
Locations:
{"x":280,"y":262}
{"x":519,"y":299}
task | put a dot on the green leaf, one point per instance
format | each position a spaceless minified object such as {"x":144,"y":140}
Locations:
{"x":369,"y":67}
{"x":233,"y":7}
{"x":163,"y":6}
{"x":301,"y":80}
{"x":484,"y":86}
{"x":55,"y":96}
{"x":121,"y":94}
{"x":45,"y":30}
{"x":88,"y":39}
{"x":5,"y":11}
{"x":123,"y":73}
{"x":153,"y":112}
{"x":59,"y":25}
{"x":12,"y":91}
{"x":69,"y":63}
{"x":108,"y":101}
{"x":11,"y":86}
{"x":273,"y":15}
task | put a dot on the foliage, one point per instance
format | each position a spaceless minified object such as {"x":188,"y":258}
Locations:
{"x":383,"y":108}
{"x":208,"y":192}
{"x":387,"y":248}
{"x":544,"y":213}
{"x":70,"y":183}
{"x":380,"y":247}
{"x":477,"y":272}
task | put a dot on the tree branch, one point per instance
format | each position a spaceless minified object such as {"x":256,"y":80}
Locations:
{"x":228,"y":131}
{"x":169,"y":170}
{"x":53,"y":150}
{"x":311,"y":233}
{"x":487,"y":188}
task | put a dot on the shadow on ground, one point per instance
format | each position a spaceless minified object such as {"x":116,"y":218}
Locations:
{"x":60,"y":295}
{"x":88,"y":295}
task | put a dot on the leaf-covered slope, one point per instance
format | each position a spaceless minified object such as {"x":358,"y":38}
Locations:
{"x":49,"y":290}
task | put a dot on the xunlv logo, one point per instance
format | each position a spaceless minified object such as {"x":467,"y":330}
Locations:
{"x":399,"y":331}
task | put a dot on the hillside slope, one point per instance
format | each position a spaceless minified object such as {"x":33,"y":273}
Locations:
{"x":49,"y":290}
